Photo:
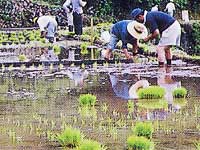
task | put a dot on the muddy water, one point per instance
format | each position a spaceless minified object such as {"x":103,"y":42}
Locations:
{"x":36,"y":104}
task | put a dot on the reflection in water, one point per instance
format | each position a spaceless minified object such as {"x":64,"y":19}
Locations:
{"x":166,"y":81}
{"x":78,"y":76}
{"x":55,"y":107}
{"x":126,"y":86}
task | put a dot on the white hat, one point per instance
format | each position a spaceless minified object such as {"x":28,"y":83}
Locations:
{"x":137,"y":30}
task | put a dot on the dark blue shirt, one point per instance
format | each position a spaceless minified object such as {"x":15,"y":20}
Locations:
{"x":120,"y":30}
{"x":158,"y":20}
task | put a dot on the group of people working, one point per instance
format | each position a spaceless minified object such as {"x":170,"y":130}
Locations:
{"x":48,"y":24}
{"x":160,"y":24}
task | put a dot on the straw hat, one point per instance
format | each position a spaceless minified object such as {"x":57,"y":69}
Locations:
{"x":137,"y":30}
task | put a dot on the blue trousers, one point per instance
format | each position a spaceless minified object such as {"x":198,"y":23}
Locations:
{"x":78,"y":23}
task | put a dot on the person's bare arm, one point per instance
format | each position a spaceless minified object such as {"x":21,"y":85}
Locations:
{"x":127,"y":55}
{"x":153,"y":35}
{"x":135,"y":47}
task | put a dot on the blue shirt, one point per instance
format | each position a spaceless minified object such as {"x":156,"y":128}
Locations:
{"x":120,"y":30}
{"x":158,"y":20}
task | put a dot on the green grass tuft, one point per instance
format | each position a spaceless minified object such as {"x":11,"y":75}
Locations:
{"x":70,"y":137}
{"x":152,"y":92}
{"x":143,"y":129}
{"x":90,"y":145}
{"x":180,"y":92}
{"x":87,"y":100}
{"x":139,"y":143}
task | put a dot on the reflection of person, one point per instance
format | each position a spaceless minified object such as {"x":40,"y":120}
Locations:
{"x":77,"y":6}
{"x":123,"y":87}
{"x":48,"y":27}
{"x":78,"y":76}
{"x":170,"y":8}
{"x":166,"y":81}
{"x":68,"y":9}
{"x":127,"y":31}
{"x":163,"y":25}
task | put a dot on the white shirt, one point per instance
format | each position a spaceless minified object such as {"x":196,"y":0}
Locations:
{"x":77,"y":5}
{"x":170,"y":7}
{"x":66,"y":4}
{"x":44,"y":20}
{"x":155,"y":8}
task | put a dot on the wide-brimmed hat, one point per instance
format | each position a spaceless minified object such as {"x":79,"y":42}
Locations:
{"x":137,"y":30}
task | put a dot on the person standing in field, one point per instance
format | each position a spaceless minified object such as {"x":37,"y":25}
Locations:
{"x":77,"y":6}
{"x":69,"y":11}
{"x":160,"y":25}
{"x":170,"y":8}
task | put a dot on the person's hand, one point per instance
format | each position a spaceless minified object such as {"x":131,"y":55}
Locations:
{"x":128,"y":56}
{"x":141,"y":41}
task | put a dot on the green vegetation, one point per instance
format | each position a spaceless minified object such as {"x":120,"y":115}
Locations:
{"x":196,"y":37}
{"x":83,"y":47}
{"x":180,"y":101}
{"x":197,"y":145}
{"x":70,"y":137}
{"x":87,"y":100}
{"x":153,"y":104}
{"x":130,"y":106}
{"x":139,"y":143}
{"x":152,"y":92}
{"x":143,"y":129}
{"x":180,"y":92}
{"x":22,"y":57}
{"x":90,"y":145}
{"x":57,"y":49}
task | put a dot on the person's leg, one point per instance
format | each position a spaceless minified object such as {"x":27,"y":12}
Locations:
{"x":126,"y":53}
{"x":161,"y":55}
{"x":51,"y":30}
{"x":78,"y":23}
{"x":75,"y":21}
{"x":168,"y":55}
{"x":111,"y":46}
{"x":70,"y":21}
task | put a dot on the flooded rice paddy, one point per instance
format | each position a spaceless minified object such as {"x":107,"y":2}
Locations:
{"x":36,"y":103}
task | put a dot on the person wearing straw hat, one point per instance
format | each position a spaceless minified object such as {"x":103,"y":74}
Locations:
{"x":163,"y":25}
{"x":127,"y":31}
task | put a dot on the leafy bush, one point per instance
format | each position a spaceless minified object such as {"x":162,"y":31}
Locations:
{"x":87,"y":100}
{"x":90,"y":145}
{"x":196,"y":37}
{"x":139,"y":143}
{"x":152,"y":92}
{"x":70,"y":137}
{"x":180,"y":92}
{"x":143,"y":129}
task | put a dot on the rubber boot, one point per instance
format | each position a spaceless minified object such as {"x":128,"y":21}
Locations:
{"x":70,"y":28}
{"x":160,"y":64}
{"x":169,"y":62}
